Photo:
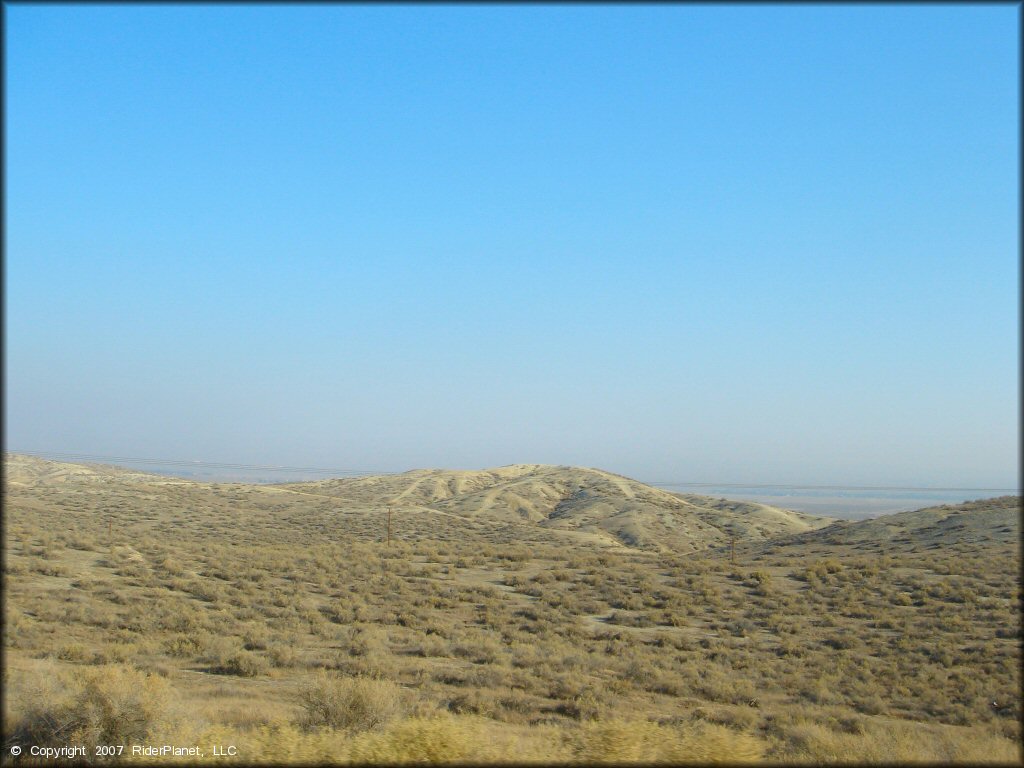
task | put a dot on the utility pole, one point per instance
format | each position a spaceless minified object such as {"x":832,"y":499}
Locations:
{"x":732,"y":548}
{"x":389,"y":525}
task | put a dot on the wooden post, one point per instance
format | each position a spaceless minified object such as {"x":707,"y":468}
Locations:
{"x":110,"y":535}
{"x":389,"y":525}
{"x":732,"y":547}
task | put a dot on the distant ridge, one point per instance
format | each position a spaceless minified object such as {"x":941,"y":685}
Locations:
{"x":337,"y":472}
{"x":20,"y":469}
{"x":581,"y":499}
{"x":606,"y":508}
{"x":609,"y":509}
{"x":982,"y":522}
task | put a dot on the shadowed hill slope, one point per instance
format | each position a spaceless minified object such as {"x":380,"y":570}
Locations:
{"x":753,"y":520}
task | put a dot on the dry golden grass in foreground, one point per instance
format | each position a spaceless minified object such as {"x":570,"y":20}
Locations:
{"x":183,"y":613}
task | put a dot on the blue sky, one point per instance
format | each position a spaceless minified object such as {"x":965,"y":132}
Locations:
{"x":706,"y":243}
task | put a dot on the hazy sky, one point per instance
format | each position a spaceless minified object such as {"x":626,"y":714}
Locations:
{"x":706,"y":243}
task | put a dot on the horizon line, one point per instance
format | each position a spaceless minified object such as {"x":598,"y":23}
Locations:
{"x":367,"y":473}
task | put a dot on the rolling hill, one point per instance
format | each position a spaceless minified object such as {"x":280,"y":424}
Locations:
{"x":541,"y":502}
{"x":561,"y":498}
{"x":974,"y":525}
{"x":24,"y":471}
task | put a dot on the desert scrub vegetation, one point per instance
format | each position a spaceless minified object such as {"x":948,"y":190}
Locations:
{"x":227,"y":600}
{"x":442,"y":737}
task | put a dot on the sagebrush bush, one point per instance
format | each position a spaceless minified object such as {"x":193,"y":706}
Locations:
{"x":110,"y":704}
{"x":356,"y":704}
{"x":283,"y":656}
{"x":244,"y":664}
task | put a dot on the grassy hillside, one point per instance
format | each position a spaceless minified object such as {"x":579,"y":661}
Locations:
{"x":276,"y":619}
